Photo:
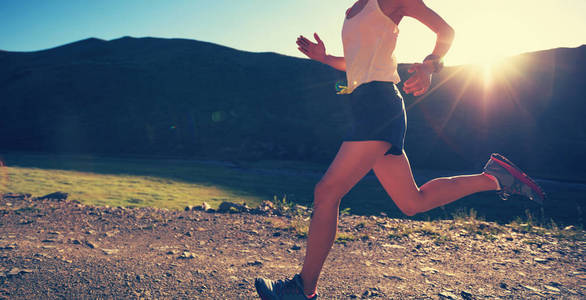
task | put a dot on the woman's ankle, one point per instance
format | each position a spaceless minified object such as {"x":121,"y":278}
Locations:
{"x":309,"y":292}
{"x":494,"y":179}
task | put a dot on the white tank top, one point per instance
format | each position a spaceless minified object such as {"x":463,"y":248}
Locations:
{"x":369,"y":39}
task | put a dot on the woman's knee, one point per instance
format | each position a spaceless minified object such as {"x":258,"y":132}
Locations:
{"x":409,"y":207}
{"x":326,"y":192}
{"x":409,"y":210}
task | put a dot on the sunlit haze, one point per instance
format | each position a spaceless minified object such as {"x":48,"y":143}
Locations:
{"x":485,"y":30}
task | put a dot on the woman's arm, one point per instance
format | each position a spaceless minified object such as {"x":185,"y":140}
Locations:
{"x":336,"y":62}
{"x":317,"y":52}
{"x":445,"y":33}
{"x":419,"y":82}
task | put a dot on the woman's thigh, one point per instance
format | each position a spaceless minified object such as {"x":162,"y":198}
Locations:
{"x":394,"y":174}
{"x":352,"y":162}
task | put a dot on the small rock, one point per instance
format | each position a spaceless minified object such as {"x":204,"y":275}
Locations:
{"x":295,"y":247}
{"x":232,"y":207}
{"x":540,"y":260}
{"x":171,"y":252}
{"x":188,"y":208}
{"x":268,"y":203}
{"x":554,"y":284}
{"x":391,"y":246}
{"x":204,"y":207}
{"x":447,"y":295}
{"x":254,"y":263}
{"x":11,"y":246}
{"x":533,"y":289}
{"x":466,"y":295}
{"x":265,"y":207}
{"x":503,"y":285}
{"x":370,"y":293}
{"x":187,"y":255}
{"x":301,"y":207}
{"x":91,"y":244}
{"x":429,"y":270}
{"x":59,"y":196}
{"x":551,"y":288}
{"x":110,"y":251}
{"x":392,"y":277}
{"x":16,"y":271}
{"x":572,"y":292}
{"x":189,"y":234}
{"x":571,"y":227}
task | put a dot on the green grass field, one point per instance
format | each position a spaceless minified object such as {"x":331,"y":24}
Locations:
{"x":174,"y":184}
{"x":165,"y":183}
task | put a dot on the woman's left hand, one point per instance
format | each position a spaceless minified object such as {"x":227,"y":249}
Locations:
{"x":419,"y":82}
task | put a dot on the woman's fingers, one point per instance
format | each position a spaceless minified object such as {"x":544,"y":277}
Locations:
{"x":420,"y":92}
{"x":414,"y":87}
{"x":417,"y":89}
{"x":412,"y":81}
{"x":303,"y":41}
{"x":319,"y":41}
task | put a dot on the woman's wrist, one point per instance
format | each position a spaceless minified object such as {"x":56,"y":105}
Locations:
{"x":428,"y":67}
{"x":435,"y":62}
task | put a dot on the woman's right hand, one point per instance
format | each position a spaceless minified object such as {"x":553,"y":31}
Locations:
{"x":315,"y":51}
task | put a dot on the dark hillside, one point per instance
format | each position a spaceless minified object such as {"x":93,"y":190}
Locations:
{"x":154,"y":96}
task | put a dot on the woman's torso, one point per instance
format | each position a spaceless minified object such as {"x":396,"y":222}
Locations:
{"x":369,"y":38}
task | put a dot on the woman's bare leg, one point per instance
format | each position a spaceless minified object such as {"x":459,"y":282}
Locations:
{"x":353,"y":161}
{"x":394,"y":174}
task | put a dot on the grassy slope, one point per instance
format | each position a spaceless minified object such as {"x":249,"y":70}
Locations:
{"x":143,"y":182}
{"x":174,"y":184}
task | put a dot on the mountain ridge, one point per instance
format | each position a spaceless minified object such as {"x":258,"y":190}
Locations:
{"x":193,"y":98}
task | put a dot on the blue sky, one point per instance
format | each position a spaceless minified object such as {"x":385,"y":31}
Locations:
{"x":485,"y":30}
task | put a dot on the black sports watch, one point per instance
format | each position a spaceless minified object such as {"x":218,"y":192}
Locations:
{"x":437,"y":62}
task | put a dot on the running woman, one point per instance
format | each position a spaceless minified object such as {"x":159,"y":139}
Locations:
{"x":376,"y":138}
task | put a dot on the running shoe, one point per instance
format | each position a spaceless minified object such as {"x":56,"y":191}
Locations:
{"x":288,"y":289}
{"x":512,"y":180}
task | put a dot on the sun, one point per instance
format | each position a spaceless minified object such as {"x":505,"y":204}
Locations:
{"x":491,"y":68}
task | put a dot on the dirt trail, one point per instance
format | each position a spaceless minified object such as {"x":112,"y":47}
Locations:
{"x":52,"y":248}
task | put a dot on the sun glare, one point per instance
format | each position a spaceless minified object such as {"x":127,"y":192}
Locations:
{"x":487,"y":69}
{"x":490,"y":69}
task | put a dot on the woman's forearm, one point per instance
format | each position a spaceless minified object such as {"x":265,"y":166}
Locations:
{"x":444,"y":41}
{"x":336,"y":62}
